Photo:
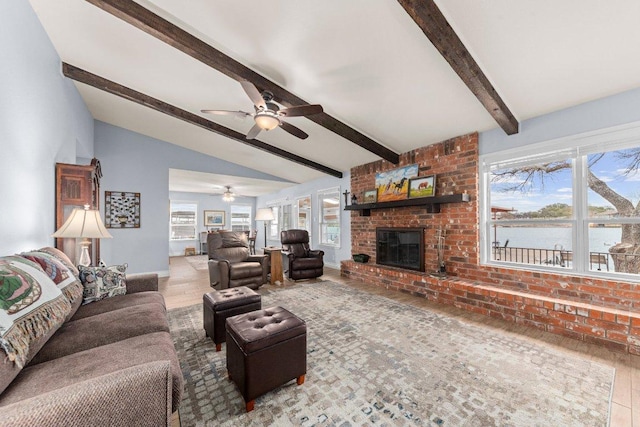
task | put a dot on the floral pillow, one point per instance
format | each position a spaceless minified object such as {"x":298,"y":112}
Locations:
{"x":102,"y":282}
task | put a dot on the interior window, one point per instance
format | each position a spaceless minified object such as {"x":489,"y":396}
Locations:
{"x":303,"y":208}
{"x":329,"y":214}
{"x":241,"y":217}
{"x":183,"y":220}
{"x":575,"y":206}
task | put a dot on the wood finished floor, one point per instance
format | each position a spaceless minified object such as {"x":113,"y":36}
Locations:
{"x":186,"y":285}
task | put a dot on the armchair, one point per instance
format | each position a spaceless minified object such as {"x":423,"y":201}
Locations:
{"x":231,"y":264}
{"x":304,"y":263}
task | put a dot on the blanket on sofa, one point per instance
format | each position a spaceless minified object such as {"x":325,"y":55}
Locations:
{"x":31,"y":305}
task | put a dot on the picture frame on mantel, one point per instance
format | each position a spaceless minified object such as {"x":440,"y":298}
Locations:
{"x":394,"y":184}
{"x":370,"y":196}
{"x":214,"y":218}
{"x":424,"y":186}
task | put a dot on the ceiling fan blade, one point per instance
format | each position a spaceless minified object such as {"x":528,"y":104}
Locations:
{"x":293,"y":130}
{"x":241,"y":114}
{"x":253,"y":93}
{"x":302,"y":110}
{"x":254,"y":131}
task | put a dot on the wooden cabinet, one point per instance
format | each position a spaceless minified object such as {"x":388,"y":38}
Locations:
{"x":76,"y":186}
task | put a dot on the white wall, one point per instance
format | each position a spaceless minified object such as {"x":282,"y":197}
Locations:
{"x":206,"y":202}
{"x":43,"y":120}
{"x":332,"y":255}
{"x":138,"y":163}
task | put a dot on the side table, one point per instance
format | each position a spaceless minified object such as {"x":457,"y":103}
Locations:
{"x":275,"y":255}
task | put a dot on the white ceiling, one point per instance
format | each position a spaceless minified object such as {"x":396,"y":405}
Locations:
{"x":365,"y":61}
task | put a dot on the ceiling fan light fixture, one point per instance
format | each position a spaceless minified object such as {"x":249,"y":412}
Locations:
{"x":266,"y":120}
{"x":228,"y":196}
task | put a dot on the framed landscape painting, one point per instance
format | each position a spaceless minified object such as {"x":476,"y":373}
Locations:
{"x":370,"y":196}
{"x":394,"y":184}
{"x":425,"y":186}
{"x":214,"y":218}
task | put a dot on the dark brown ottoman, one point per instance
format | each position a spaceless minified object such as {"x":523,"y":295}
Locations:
{"x":218,"y":305}
{"x":265,"y":349}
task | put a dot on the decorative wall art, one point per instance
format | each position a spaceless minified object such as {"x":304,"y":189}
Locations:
{"x":425,"y":186}
{"x":370,"y":196}
{"x":121,"y":209}
{"x":214,"y":218}
{"x":394,"y":184}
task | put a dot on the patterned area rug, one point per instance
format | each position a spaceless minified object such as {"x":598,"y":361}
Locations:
{"x":374,"y":361}
{"x":198,"y":262}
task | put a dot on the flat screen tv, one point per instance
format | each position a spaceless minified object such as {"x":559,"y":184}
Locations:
{"x":400,"y":247}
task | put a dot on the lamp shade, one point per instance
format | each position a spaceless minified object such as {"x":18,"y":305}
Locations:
{"x":264,"y":214}
{"x":84,"y":223}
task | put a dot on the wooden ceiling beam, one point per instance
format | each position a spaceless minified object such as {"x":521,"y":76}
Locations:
{"x":434,"y":25}
{"x":145,"y":20}
{"x":114,"y":88}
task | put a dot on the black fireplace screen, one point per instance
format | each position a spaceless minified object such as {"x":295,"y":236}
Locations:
{"x":400,"y":247}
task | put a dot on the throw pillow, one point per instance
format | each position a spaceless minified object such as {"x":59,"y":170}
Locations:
{"x":31,"y":306}
{"x":61,"y":274}
{"x":62,"y":257}
{"x":102,"y":282}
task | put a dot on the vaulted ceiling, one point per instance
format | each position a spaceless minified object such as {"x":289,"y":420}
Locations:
{"x":372,"y":65}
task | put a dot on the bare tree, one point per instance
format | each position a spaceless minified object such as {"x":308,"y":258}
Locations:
{"x":625,"y":254}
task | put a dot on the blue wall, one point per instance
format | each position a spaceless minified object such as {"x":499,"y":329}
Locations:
{"x":333,"y":255}
{"x":43,"y":120}
{"x":138,"y":163}
{"x":599,"y":114}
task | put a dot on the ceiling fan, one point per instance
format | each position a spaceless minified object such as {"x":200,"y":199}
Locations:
{"x":267,"y":114}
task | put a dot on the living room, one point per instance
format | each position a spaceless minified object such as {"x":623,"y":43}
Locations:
{"x":49,"y":119}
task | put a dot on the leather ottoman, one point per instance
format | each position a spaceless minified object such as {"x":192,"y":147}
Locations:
{"x":265,"y":349}
{"x":218,"y":305}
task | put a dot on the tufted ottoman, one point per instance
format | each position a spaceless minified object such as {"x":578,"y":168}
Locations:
{"x":265,"y":349}
{"x":218,"y":305}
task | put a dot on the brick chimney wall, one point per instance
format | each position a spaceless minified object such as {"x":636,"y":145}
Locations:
{"x":595,"y":310}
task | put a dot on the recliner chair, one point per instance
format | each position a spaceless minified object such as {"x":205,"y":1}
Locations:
{"x":231,"y":264}
{"x":304,"y":263}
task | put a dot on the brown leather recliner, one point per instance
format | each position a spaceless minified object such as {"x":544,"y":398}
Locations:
{"x":304,"y":263}
{"x":231,"y":264}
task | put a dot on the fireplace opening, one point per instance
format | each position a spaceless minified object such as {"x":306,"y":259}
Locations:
{"x":400,"y":247}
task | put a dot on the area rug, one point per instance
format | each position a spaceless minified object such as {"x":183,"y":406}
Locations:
{"x":198,"y":262}
{"x":374,"y":361}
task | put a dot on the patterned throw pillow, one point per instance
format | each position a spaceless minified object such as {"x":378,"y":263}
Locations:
{"x":102,"y":282}
{"x":62,"y":257}
{"x":31,"y":306}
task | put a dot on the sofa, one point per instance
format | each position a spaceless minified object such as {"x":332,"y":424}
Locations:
{"x":231,"y":263}
{"x":109,"y":361}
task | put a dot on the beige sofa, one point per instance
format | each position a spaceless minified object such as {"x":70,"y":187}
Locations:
{"x":111,"y":362}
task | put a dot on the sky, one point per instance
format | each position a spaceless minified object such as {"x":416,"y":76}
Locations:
{"x":557,"y":187}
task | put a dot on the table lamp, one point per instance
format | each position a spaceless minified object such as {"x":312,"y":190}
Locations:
{"x":85,"y":224}
{"x":265,"y":214}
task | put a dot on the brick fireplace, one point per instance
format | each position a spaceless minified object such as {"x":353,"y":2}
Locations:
{"x":600,"y":311}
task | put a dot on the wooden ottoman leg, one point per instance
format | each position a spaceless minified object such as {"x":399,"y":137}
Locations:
{"x":218,"y":347}
{"x":300,"y":380}
{"x":250,"y":405}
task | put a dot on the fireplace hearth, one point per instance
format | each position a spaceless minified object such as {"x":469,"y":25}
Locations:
{"x":400,"y":247}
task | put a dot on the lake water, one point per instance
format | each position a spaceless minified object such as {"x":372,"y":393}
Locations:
{"x":600,"y":238}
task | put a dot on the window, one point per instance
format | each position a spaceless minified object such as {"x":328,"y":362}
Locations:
{"x":183,"y":223}
{"x":303,"y":208}
{"x":274,"y":233}
{"x":285,"y":217}
{"x":573,"y":208}
{"x":240,"y":217}
{"x":329,"y":213}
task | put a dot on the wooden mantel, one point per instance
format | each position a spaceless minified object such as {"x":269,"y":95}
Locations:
{"x":431,"y":204}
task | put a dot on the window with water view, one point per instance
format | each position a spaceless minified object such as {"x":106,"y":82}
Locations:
{"x":576,"y":209}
